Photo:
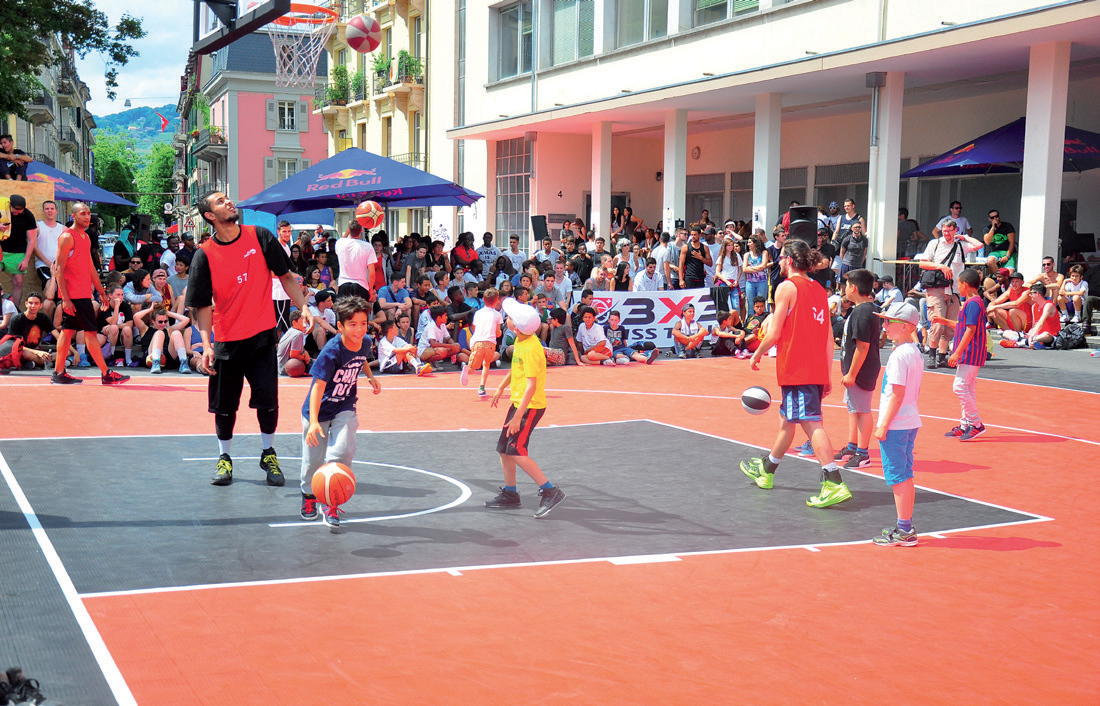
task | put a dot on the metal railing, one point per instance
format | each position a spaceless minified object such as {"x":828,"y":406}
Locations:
{"x":410,"y":70}
{"x":206,"y":138}
{"x":45,"y":159}
{"x":66,"y":139}
{"x":44,"y":100}
{"x":413,"y":159}
{"x":322,"y":99}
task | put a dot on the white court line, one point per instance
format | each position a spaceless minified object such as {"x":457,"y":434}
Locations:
{"x":99,"y":649}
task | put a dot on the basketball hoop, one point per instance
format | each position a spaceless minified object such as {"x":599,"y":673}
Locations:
{"x":299,"y":37}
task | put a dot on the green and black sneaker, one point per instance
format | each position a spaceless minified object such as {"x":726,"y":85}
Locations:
{"x":223,"y":474}
{"x":270,"y":463}
{"x":760,"y":470}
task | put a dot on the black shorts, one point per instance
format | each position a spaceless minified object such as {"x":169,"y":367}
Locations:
{"x":516,"y":444}
{"x":83,"y":320}
{"x":352,"y":289}
{"x":43,"y":274}
{"x":260,"y":368}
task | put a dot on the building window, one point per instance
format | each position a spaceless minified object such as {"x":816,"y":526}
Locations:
{"x":288,"y":111}
{"x":417,"y":35}
{"x":342,"y":57}
{"x":516,"y":24}
{"x":639,"y":20}
{"x":707,"y":11}
{"x":387,"y":135}
{"x":572,"y":29}
{"x":513,"y":182}
{"x":287,"y":168}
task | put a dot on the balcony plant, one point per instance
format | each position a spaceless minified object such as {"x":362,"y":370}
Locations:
{"x":403,"y":61}
{"x":359,"y":84}
{"x":380,"y":63}
{"x":338,"y":85}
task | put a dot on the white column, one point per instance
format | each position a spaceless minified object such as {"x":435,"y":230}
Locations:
{"x":885,"y":171}
{"x":1044,"y":145}
{"x":765,"y":163}
{"x":600,"y":219}
{"x":674,"y":204}
{"x":601,"y":24}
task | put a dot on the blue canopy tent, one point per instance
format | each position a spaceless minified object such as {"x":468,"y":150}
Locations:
{"x":66,"y":187}
{"x":353,"y":176}
{"x":1002,"y":151}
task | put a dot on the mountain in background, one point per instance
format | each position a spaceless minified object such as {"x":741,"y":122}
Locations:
{"x":141,"y":124}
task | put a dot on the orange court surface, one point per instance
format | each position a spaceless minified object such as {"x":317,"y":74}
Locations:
{"x":499,"y":608}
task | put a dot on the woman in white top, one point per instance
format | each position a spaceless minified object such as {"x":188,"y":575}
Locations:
{"x":728,"y":272}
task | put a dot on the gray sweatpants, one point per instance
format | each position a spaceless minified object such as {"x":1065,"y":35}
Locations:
{"x":337,"y":445}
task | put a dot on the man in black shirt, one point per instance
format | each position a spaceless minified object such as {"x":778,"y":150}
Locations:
{"x":32,"y":325}
{"x":22,"y":238}
{"x":14,"y":162}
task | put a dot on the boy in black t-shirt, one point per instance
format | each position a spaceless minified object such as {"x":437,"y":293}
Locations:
{"x":753,"y":332}
{"x":860,"y":366}
{"x":115,"y":320}
{"x":729,"y":336}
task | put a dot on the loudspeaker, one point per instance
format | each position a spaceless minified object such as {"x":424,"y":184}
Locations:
{"x":538,"y":232}
{"x":804,"y":224}
{"x":139,"y":224}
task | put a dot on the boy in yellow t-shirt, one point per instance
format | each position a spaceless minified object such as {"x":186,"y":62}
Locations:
{"x":528,"y":381}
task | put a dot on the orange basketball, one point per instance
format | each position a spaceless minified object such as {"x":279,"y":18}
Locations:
{"x":369,"y":214}
{"x":333,"y":484}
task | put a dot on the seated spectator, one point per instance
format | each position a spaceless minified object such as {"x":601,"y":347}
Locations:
{"x":292,"y":356}
{"x":621,"y":282}
{"x":139,"y":289}
{"x":649,"y":279}
{"x":161,"y":286}
{"x":754,"y":326}
{"x":442,"y":285}
{"x":195,"y":348}
{"x":312,"y":280}
{"x":522,"y":295}
{"x":405,"y":330}
{"x":1045,"y":322}
{"x":688,"y":334}
{"x":472,"y":299}
{"x":1074,"y":294}
{"x":13,"y":161}
{"x":324,"y":318}
{"x":599,"y":281}
{"x":501,"y":270}
{"x":464,"y":339}
{"x":178,"y":282}
{"x":548,"y":253}
{"x":624,"y":351}
{"x":562,"y":349}
{"x":8,"y":309}
{"x":593,"y":340}
{"x":586,"y":301}
{"x":540,"y":304}
{"x":326,"y":273}
{"x":549,"y":287}
{"x":415,"y":265}
{"x":505,"y":289}
{"x":435,"y":343}
{"x":459,"y":313}
{"x":115,"y":320}
{"x":1009,"y":311}
{"x":1050,"y":277}
{"x":994,"y":287}
{"x":394,"y":298}
{"x":888,"y":294}
{"x":31,"y":326}
{"x":395,"y":354}
{"x":729,"y":336}
{"x":161,"y":343}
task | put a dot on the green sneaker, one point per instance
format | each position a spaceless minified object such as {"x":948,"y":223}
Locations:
{"x":223,"y":474}
{"x":831,"y":494}
{"x":756,"y":469}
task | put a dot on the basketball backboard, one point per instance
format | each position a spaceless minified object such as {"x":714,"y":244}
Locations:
{"x":221,"y":22}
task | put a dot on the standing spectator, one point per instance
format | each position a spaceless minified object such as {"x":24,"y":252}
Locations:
{"x":631,"y":224}
{"x":22,"y":239}
{"x":660,"y":254}
{"x":488,"y":253}
{"x":694,"y":257}
{"x":13,"y":162}
{"x":968,"y":356}
{"x":514,"y":254}
{"x":844,"y":222}
{"x":943,"y":261}
{"x":775,"y":272}
{"x":853,"y":251}
{"x":962,"y":225}
{"x":756,"y":266}
{"x":1000,"y":241}
{"x":298,"y":263}
{"x":910,"y":239}
{"x":168,"y":257}
{"x":355,"y":256}
{"x":45,"y":249}
{"x":187,"y":252}
{"x":727,"y":274}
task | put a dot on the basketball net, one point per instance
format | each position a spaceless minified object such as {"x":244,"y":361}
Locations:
{"x":299,"y":37}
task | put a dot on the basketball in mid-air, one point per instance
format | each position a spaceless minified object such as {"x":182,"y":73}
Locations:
{"x":369,"y":214}
{"x":364,"y":34}
{"x":333,"y":484}
{"x":756,"y":400}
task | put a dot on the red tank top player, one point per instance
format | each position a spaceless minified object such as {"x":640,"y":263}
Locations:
{"x":1052,"y":325}
{"x":78,"y":268}
{"x":241,"y":283}
{"x":800,"y":358}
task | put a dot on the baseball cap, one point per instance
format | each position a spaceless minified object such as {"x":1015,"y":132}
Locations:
{"x":1004,"y":272}
{"x":900,"y":311}
{"x":1017,"y":275}
{"x":834,"y":204}
{"x":187,"y":236}
{"x":886,"y":278}
{"x":525,"y":317}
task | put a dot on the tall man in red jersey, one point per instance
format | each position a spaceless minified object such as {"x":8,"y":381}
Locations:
{"x":75,"y":278}
{"x":229,"y":289}
{"x":801,"y":331}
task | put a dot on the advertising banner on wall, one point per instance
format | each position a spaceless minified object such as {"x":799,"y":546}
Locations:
{"x":650,"y":316}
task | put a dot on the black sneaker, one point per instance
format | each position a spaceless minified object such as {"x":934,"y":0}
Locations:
{"x":270,"y":463}
{"x":64,"y":378}
{"x":506,"y":499}
{"x":972,"y":433}
{"x":331,"y":516}
{"x":26,"y":691}
{"x":113,"y":378}
{"x":930,"y":361}
{"x":941,"y":360}
{"x":857,"y":460}
{"x":223,"y":475}
{"x":309,"y":508}
{"x":550,"y":499}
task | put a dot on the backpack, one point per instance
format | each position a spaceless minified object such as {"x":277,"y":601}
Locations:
{"x":11,"y":352}
{"x":1071,"y":336}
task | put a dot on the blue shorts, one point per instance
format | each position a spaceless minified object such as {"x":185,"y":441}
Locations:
{"x":625,"y":350}
{"x":897,"y":455}
{"x":801,"y":403}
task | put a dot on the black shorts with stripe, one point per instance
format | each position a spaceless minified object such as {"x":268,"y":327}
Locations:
{"x":83,"y":320}
{"x":516,"y":444}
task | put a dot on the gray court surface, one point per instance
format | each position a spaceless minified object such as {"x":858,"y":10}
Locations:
{"x":132,"y":514}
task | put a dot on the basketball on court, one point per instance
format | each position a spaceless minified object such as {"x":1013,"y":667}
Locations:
{"x":333,"y":484}
{"x":369,"y":214}
{"x":364,"y":34}
{"x":756,"y":400}
{"x":295,"y":368}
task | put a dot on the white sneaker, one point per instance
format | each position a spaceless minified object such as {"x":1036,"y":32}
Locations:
{"x":464,"y":376}
{"x":1075,"y":320}
{"x":607,"y":361}
{"x":621,"y":360}
{"x":1065,"y":317}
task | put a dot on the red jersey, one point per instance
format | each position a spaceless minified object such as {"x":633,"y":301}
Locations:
{"x":241,"y":285}
{"x":78,"y":268}
{"x":800,"y":358}
{"x":1052,"y":325}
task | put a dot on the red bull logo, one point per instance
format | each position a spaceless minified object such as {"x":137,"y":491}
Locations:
{"x":46,"y":178}
{"x":1079,"y":148}
{"x":346,"y":178}
{"x":347,"y":174}
{"x":963,"y":150}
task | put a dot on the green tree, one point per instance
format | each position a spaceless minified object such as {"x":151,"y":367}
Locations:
{"x":155,"y":178}
{"x":116,"y":177}
{"x":25,"y":51}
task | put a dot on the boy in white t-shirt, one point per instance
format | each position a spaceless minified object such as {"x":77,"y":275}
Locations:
{"x":487,"y":323}
{"x":899,"y":420}
{"x":593,"y":341}
{"x":1075,"y":292}
{"x":394,"y":355}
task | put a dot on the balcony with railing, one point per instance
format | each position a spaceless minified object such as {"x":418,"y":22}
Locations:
{"x":328,"y":95}
{"x":210,"y":145}
{"x":406,"y":76}
{"x":68,"y":85}
{"x":42,"y":109}
{"x":45,"y":159}
{"x":418,"y":160}
{"x":198,"y":188}
{"x":66,"y":140}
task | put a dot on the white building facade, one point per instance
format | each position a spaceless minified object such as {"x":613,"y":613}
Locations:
{"x":566,"y":107}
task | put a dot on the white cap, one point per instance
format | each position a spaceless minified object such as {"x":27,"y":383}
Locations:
{"x":525,"y":317}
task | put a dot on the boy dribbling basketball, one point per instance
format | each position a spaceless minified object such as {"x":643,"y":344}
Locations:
{"x":528,"y":382}
{"x":329,"y":409}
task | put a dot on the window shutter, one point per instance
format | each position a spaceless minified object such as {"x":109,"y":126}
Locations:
{"x":304,"y":164}
{"x":270,"y":177}
{"x":303,"y":116}
{"x":272,"y":115}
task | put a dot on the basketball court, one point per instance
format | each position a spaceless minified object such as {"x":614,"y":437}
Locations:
{"x":666,"y":576}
